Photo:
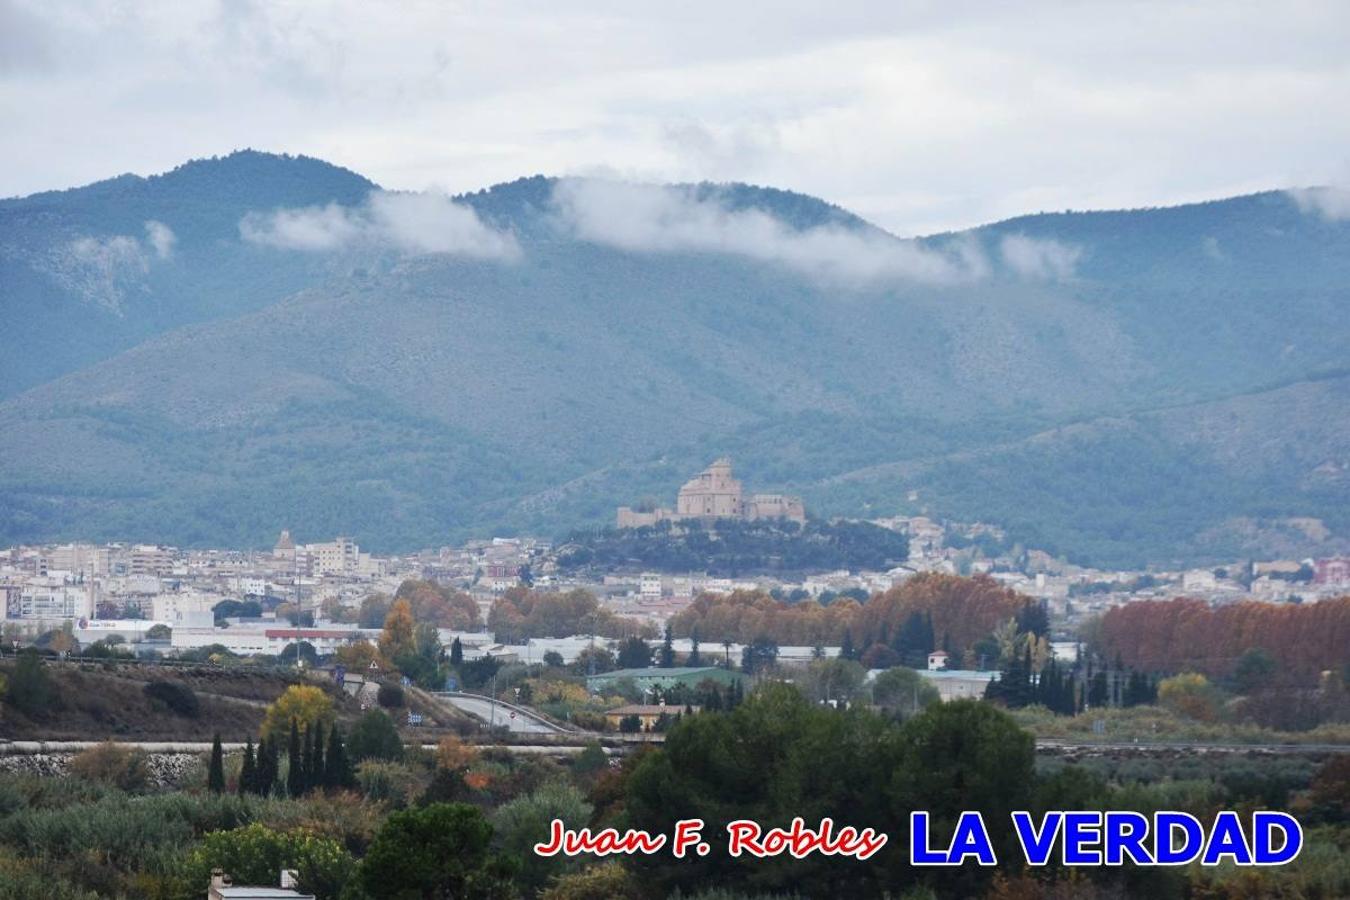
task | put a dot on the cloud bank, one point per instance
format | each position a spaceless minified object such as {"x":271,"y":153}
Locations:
{"x":1331,"y":203}
{"x":414,"y":224}
{"x":652,"y":219}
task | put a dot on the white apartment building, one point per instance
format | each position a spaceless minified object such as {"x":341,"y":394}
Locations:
{"x":173,"y":607}
{"x":51,"y":599}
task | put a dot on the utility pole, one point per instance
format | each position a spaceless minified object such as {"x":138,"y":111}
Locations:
{"x":492,"y":719}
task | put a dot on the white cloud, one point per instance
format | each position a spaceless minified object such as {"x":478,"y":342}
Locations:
{"x":652,"y":219}
{"x":410,"y":223}
{"x":923,"y":117}
{"x":99,"y":269}
{"x":161,"y":238}
{"x":1331,"y":203}
{"x":1039,"y":258}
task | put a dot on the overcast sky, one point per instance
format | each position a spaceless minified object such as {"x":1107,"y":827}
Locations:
{"x":919,"y":116}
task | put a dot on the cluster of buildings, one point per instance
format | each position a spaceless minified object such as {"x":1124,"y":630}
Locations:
{"x":716,"y":494}
{"x":260,"y":602}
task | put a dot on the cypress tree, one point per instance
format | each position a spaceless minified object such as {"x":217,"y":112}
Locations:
{"x":215,"y":775}
{"x":306,"y":758}
{"x":316,"y":767}
{"x":295,"y":773}
{"x":248,"y":774}
{"x":456,"y":653}
{"x":337,"y":768}
{"x":667,"y":656}
{"x":268,"y":765}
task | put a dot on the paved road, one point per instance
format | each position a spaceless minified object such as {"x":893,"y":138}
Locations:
{"x":517,"y":720}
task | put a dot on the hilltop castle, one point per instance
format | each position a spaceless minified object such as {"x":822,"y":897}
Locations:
{"x":715,"y":494}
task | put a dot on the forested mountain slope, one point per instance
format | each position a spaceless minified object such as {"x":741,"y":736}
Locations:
{"x":1119,"y":386}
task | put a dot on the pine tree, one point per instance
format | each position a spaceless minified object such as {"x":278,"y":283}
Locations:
{"x":248,"y":775}
{"x":846,"y":649}
{"x":215,"y":775}
{"x":295,"y":773}
{"x":456,"y":653}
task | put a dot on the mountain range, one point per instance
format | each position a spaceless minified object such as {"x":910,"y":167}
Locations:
{"x":256,"y":341}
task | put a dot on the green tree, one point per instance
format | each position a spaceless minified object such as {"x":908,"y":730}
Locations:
{"x":523,"y":822}
{"x":375,"y":737}
{"x":1254,"y":670}
{"x":215,"y":772}
{"x":634,"y":654}
{"x":256,"y":854}
{"x":338,"y":774}
{"x":295,"y":762}
{"x":666,"y":658}
{"x":456,"y":652}
{"x":248,"y":771}
{"x":441,"y":850}
{"x":30,"y":687}
{"x":903,"y":690}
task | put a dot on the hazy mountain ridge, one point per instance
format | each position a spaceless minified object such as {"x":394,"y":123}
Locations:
{"x":410,"y":398}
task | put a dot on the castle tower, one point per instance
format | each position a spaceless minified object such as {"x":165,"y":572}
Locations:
{"x":711,"y":494}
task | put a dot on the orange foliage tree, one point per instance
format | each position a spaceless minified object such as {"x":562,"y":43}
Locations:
{"x":745,"y":616}
{"x":963,"y":610}
{"x":520,"y":613}
{"x":1188,"y":634}
{"x":440,"y":606}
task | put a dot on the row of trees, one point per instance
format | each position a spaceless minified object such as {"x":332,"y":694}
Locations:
{"x":925,"y":613}
{"x":521,"y":613}
{"x":1303,"y":640}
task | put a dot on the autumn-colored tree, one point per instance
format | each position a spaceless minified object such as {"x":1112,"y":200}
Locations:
{"x":397,"y":638}
{"x":964,"y":609}
{"x":334,"y":610}
{"x":454,"y":754}
{"x":1190,"y":695}
{"x":304,"y":704}
{"x":358,"y":655}
{"x":520,"y":613}
{"x":1302,"y":640}
{"x":742,"y":616}
{"x":440,"y":606}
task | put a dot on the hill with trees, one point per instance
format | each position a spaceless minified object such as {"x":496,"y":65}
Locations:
{"x":252,"y":341}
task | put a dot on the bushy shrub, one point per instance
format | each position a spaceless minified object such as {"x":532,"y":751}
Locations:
{"x":30,"y":688}
{"x":390,"y":696}
{"x":179,"y":698}
{"x":115,"y":764}
{"x":607,"y":881}
{"x":256,"y":854}
{"x":388,"y":782}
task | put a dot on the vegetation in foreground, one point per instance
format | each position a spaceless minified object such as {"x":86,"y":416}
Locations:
{"x":460,"y":821}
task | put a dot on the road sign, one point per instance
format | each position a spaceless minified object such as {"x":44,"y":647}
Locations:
{"x":414,"y":719}
{"x":513,"y":715}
